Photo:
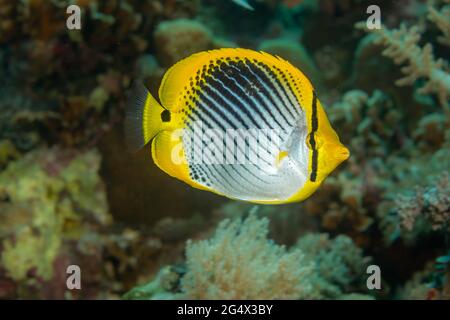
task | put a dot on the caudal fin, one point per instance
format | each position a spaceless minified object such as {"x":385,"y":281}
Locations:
{"x":143,"y":117}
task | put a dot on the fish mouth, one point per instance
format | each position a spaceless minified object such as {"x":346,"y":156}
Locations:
{"x":342,"y":153}
{"x":338,"y":152}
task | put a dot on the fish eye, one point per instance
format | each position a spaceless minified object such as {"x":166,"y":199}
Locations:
{"x":314,"y":141}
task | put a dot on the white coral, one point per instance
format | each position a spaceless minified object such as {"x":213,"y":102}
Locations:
{"x":239,"y":262}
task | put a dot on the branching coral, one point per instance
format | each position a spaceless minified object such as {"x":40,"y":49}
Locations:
{"x":431,"y":131}
{"x":239,"y":262}
{"x":368,"y":123}
{"x":442,"y":20}
{"x":431,"y":204}
{"x":79,"y":75}
{"x":342,"y":205}
{"x":402,"y":45}
{"x":386,"y":157}
{"x":339,"y":264}
{"x":416,"y":199}
{"x":287,"y":222}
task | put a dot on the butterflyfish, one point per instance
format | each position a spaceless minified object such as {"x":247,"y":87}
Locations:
{"x":243,"y":124}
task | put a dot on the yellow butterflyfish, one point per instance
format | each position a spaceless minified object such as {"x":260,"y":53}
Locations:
{"x":243,"y":124}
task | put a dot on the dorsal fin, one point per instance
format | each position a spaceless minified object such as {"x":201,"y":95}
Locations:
{"x":178,"y":76}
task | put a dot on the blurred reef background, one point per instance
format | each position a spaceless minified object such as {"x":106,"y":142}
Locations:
{"x":71,"y":194}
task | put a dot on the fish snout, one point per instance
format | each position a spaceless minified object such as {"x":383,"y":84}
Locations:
{"x":338,"y":152}
{"x":342,"y":153}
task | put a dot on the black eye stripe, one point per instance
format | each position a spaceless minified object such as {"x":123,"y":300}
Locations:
{"x":312,"y":141}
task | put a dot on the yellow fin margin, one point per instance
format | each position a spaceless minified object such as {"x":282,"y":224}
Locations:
{"x":168,"y":155}
{"x":180,"y":74}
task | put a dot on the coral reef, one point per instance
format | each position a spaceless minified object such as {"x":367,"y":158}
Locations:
{"x":239,"y":262}
{"x":340,"y":266}
{"x":163,"y":287}
{"x":431,"y":204}
{"x":70,"y":194}
{"x":420,"y":195}
{"x":431,"y":283}
{"x":52,"y":66}
{"x":346,"y":206}
{"x":47,"y":197}
{"x":369,"y":123}
{"x":402,"y":45}
{"x":8,"y":152}
{"x":287,"y":222}
{"x":441,"y":19}
{"x":54,"y":213}
{"x":177,"y":39}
